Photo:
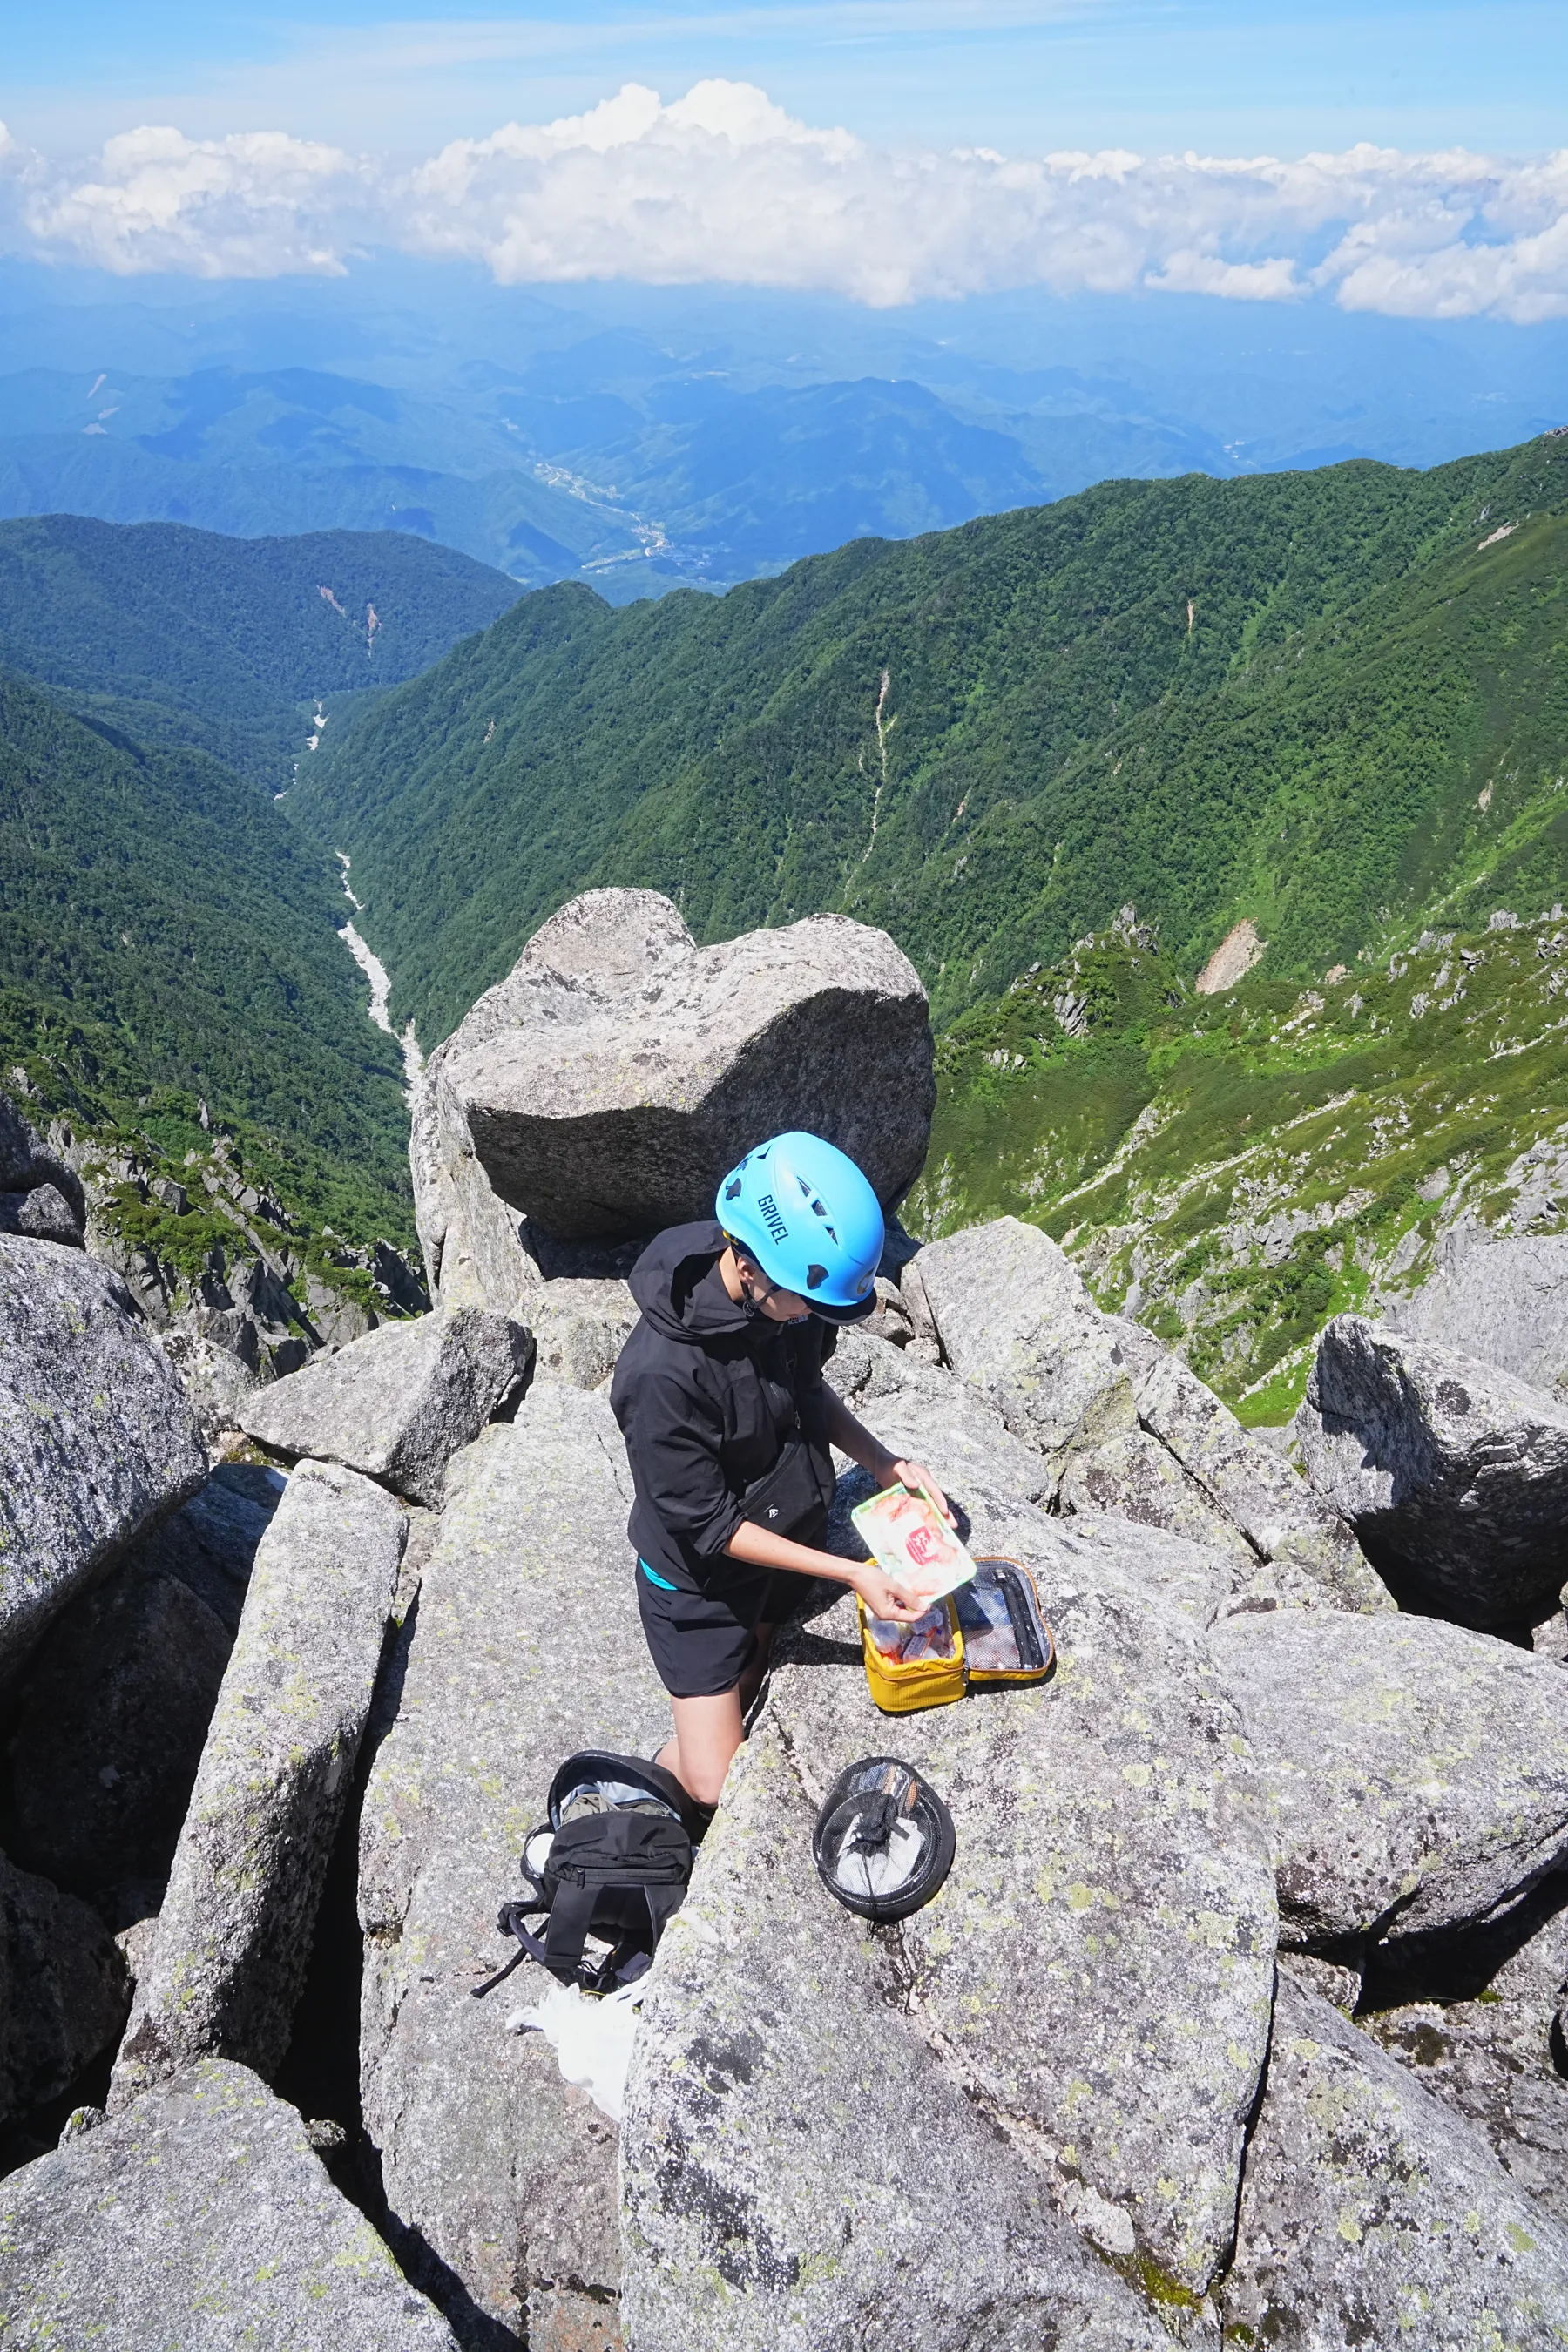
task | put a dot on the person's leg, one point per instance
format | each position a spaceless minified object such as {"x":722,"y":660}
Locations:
{"x":707,"y":1734}
{"x":757,"y":1667}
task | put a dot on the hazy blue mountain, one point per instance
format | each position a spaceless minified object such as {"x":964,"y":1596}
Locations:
{"x":643,"y":437}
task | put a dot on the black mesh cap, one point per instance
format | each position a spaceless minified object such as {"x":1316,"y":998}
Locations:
{"x":884,"y":1841}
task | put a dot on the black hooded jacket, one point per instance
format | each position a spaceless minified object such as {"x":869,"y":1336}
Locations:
{"x":706,"y":1396}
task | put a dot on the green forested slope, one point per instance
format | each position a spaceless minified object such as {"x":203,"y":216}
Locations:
{"x":164,"y":929}
{"x":1235,"y":1169}
{"x":182,"y":636}
{"x":1280,"y":698}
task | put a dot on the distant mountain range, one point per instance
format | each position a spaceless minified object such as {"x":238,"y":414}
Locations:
{"x":645,"y":438}
{"x":1280,"y":700}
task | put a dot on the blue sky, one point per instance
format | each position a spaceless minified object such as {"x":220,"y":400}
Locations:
{"x":1409,"y":160}
{"x":1223,"y":78}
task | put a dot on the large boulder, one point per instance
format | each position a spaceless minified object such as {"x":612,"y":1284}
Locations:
{"x":1371,"y":2214}
{"x":1122,"y":1425}
{"x":1100,"y":1963}
{"x":236,"y":1929}
{"x":604,"y":1086}
{"x":525,"y":1645}
{"x":798,"y":2167}
{"x":38,"y":1193}
{"x":399,"y":1402}
{"x":1472,"y":2015}
{"x":997,"y":1488}
{"x":97,"y":1443}
{"x":1417,"y":1773}
{"x":201,"y":2219}
{"x":1503,"y":1297}
{"x":64,"y":1990}
{"x":1454,"y":1473}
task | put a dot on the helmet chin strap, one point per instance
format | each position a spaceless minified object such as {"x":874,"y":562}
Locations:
{"x":750,"y":1305}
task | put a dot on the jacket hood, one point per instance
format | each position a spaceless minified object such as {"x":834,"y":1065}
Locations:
{"x":669,"y":1285}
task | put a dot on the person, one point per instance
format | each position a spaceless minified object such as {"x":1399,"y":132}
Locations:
{"x":728,"y":1424}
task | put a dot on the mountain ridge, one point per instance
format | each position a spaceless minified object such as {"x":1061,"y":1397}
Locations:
{"x":745,"y":754}
{"x":184,"y":637}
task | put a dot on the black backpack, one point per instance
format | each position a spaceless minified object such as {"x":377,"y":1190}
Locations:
{"x":612,"y":1862}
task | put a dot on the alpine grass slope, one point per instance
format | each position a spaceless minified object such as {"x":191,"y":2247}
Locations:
{"x":1235,"y":1169}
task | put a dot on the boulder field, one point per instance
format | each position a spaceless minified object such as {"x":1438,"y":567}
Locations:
{"x":1237,"y":2020}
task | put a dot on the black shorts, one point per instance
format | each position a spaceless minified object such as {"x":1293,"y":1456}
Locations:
{"x":701,"y":1642}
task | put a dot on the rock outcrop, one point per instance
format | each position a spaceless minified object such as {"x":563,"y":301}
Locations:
{"x":399,"y":1402}
{"x":1417,"y":1773}
{"x":798,"y":2167}
{"x":235,"y":1933}
{"x":63,"y":1990}
{"x":602,"y":1089}
{"x":1098,"y":1967}
{"x":1122,"y":1425}
{"x":96,"y":1438}
{"x":1454,"y":1473}
{"x":1503,"y":1297}
{"x":40,"y":1196}
{"x":525,"y":1645}
{"x":998,"y":1488}
{"x":1473,"y":2017}
{"x":201,"y":2219}
{"x":1371,"y":2214}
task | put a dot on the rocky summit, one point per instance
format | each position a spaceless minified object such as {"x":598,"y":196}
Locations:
{"x":1238,"y":2018}
{"x":601,"y":1090}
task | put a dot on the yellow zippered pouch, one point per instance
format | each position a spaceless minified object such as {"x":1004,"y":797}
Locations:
{"x":989,"y":1630}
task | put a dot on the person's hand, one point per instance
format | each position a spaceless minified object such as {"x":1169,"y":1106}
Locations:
{"x":914,"y":1474}
{"x":882,"y":1599}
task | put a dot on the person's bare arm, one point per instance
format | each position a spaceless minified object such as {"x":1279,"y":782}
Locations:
{"x":761,"y":1549}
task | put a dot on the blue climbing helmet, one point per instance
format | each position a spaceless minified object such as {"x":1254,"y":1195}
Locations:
{"x":804,"y":1212}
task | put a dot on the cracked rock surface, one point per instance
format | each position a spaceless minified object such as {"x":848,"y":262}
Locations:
{"x":236,"y":1929}
{"x":201,"y":2219}
{"x":791,"y":2138}
{"x":1454,"y":1473}
{"x":399,"y":1402}
{"x":1123,"y":1425}
{"x":1100,"y":1960}
{"x":524,"y":1647}
{"x":1372,"y":2214}
{"x":1417,"y":1773}
{"x":97,"y":1440}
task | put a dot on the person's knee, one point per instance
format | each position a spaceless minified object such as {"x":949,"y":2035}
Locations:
{"x":703,"y":1777}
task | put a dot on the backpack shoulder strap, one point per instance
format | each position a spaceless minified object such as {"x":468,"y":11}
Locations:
{"x":570,"y":1918}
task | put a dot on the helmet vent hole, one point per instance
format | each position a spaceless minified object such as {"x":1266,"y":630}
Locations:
{"x":815,"y":1275}
{"x":831,"y":1236}
{"x":732,"y":1188}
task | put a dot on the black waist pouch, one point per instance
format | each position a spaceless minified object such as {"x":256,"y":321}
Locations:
{"x":799,"y":1487}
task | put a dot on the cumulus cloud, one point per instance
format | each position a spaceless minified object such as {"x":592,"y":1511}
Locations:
{"x":722,"y":185}
{"x":257,"y":204}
